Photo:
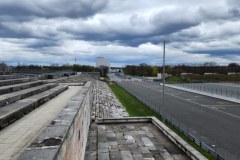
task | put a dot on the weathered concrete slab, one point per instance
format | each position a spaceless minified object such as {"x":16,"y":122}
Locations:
{"x":9,"y":98}
{"x":17,"y":87}
{"x":147,"y":141}
{"x":15,"y":81}
{"x":6,"y":77}
{"x":91,"y":155}
{"x":116,"y":155}
{"x":14,"y":111}
{"x":103,"y":156}
{"x":126,"y":155}
{"x":39,"y":154}
{"x":50,"y":137}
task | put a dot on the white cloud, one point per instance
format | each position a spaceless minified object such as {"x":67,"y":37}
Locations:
{"x":122,"y":30}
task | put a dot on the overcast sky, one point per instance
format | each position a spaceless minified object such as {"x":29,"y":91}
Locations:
{"x":125,"y":31}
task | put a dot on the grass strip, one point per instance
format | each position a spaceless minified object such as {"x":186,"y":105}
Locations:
{"x":136,"y":108}
{"x":175,"y":79}
{"x":132,"y":105}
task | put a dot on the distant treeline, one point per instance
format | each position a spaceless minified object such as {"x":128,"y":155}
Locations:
{"x":75,"y":67}
{"x":148,"y":70}
{"x":176,"y":70}
{"x":213,"y":78}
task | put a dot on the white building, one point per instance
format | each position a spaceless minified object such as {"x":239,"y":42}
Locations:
{"x":107,"y":63}
{"x":160,"y":75}
{"x":102,"y":61}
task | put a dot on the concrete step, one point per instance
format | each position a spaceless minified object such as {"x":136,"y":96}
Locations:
{"x":9,"y":98}
{"x":16,"y":81}
{"x":17,"y":87}
{"x":4,"y":77}
{"x":16,"y":110}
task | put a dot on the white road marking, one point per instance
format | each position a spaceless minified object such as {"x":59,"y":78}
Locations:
{"x":222,"y":105}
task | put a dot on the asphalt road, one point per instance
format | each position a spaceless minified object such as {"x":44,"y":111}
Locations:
{"x":217,"y":121}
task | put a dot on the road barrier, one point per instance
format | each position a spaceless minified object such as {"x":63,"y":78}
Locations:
{"x":225,"y":91}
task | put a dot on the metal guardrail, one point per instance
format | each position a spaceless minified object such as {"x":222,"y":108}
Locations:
{"x":180,"y":127}
{"x":222,"y":89}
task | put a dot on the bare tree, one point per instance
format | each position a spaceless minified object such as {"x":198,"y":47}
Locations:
{"x":3,"y":66}
{"x":103,"y":70}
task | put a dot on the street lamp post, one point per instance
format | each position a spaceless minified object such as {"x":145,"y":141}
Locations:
{"x":163,"y":77}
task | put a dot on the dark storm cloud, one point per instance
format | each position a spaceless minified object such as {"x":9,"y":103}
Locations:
{"x":44,"y":43}
{"x":234,"y":8}
{"x":220,"y":53}
{"x":51,"y":8}
{"x":134,"y":30}
{"x":8,"y":32}
{"x":123,"y":30}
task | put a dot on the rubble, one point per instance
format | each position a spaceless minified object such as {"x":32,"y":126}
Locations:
{"x":105,"y":103}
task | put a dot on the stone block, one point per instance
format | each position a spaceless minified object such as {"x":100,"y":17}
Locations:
{"x":38,"y":154}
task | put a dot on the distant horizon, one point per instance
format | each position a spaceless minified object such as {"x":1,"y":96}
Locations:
{"x":192,"y":64}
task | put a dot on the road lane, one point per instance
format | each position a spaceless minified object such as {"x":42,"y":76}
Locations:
{"x":216,"y":120}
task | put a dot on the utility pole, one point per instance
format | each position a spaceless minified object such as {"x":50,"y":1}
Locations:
{"x":75,"y":60}
{"x":163,"y":77}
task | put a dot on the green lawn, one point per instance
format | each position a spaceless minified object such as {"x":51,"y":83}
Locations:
{"x":133,"y":106}
{"x":175,"y":79}
{"x":136,"y":108}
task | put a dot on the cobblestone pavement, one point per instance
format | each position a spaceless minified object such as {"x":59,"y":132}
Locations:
{"x":105,"y":104}
{"x":130,"y":141}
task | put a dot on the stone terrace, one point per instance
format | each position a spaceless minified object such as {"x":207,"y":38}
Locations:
{"x":22,"y":113}
{"x":130,"y":141}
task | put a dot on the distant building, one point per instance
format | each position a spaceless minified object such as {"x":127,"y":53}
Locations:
{"x":102,"y":61}
{"x":160,"y":75}
{"x":184,"y":75}
{"x":116,"y":69}
{"x":107,"y":63}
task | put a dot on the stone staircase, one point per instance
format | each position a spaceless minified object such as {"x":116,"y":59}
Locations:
{"x":20,"y":96}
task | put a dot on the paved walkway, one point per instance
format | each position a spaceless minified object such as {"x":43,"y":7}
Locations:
{"x":15,"y":138}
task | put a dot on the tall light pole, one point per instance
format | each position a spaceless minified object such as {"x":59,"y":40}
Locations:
{"x":163,"y":77}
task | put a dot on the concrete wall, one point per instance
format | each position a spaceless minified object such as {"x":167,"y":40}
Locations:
{"x":66,"y":136}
